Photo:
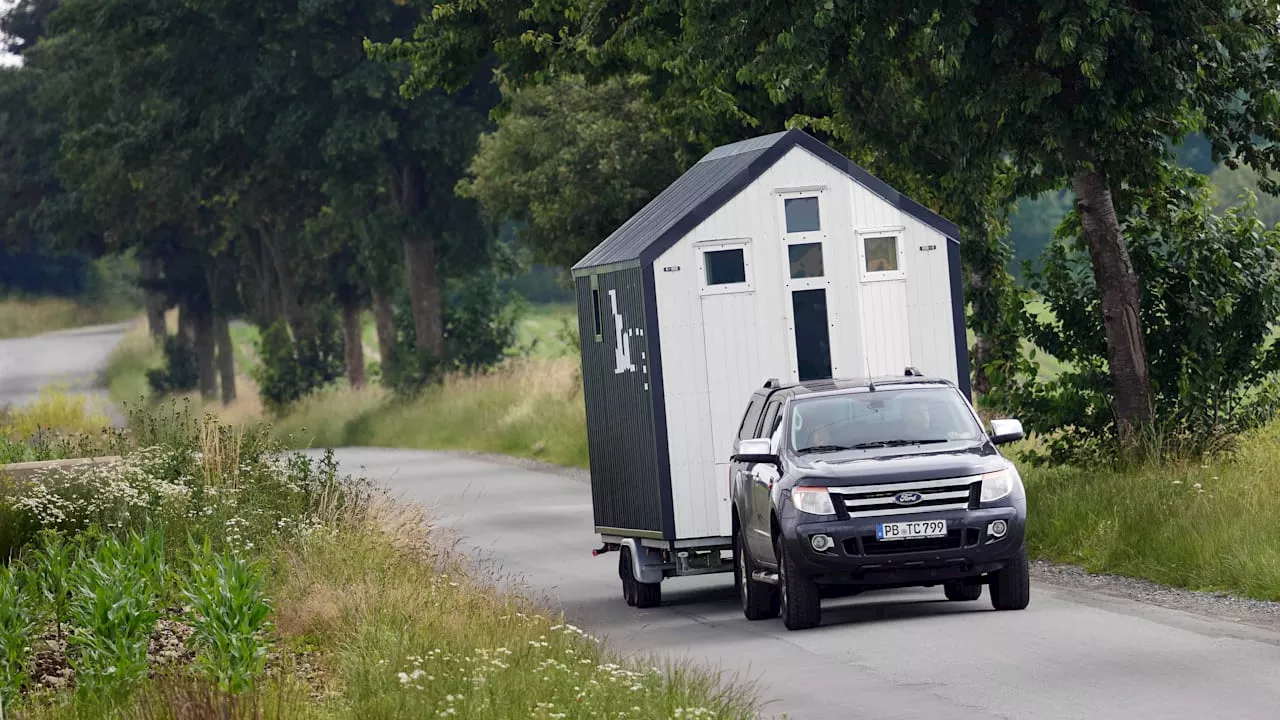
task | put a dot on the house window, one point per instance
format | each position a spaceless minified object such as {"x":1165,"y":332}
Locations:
{"x":880,"y":253}
{"x":802,"y":214}
{"x":805,"y":260}
{"x":725,"y":267}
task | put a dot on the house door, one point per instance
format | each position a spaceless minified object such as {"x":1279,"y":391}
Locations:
{"x":886,"y":333}
{"x":811,"y":334}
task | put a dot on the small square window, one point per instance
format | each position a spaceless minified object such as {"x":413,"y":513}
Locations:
{"x":881,"y":253}
{"x":806,"y":260}
{"x":725,"y":267}
{"x":802,"y":214}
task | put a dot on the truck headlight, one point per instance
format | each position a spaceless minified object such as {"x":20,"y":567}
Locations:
{"x":815,"y":501}
{"x":998,"y":484}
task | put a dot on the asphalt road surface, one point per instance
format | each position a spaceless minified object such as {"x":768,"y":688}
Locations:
{"x":879,"y":656}
{"x":73,"y":359}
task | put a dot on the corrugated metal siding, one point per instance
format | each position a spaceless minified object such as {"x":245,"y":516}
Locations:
{"x":626,"y":478}
{"x":928,"y":304}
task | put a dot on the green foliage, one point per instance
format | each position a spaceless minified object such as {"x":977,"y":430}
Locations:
{"x":1210,"y":297}
{"x":18,"y":620}
{"x":480,"y":321}
{"x":181,"y":370}
{"x":291,"y":369}
{"x":1231,"y":186}
{"x":51,"y":561}
{"x":226,"y":594}
{"x":570,"y":162}
{"x":111,"y":605}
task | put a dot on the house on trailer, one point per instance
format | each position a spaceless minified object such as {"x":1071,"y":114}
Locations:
{"x":775,"y":257}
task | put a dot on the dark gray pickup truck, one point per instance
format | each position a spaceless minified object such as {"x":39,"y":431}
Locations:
{"x":845,"y":485}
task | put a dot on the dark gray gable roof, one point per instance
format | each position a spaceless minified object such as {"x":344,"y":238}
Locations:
{"x":713,"y":181}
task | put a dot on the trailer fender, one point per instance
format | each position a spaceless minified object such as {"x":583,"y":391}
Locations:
{"x":646,"y":563}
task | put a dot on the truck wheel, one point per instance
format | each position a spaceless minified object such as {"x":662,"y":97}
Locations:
{"x":962,"y":591}
{"x":759,"y":599}
{"x":636,"y":593}
{"x":800,"y":602}
{"x":1011,"y":587}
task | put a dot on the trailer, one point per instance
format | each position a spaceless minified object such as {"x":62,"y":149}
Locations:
{"x":775,"y":257}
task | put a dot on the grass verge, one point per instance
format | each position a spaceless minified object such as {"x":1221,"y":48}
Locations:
{"x":207,"y":574}
{"x":24,"y":318}
{"x":526,"y":408}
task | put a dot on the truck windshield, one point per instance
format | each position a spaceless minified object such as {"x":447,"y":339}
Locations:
{"x":884,"y":418}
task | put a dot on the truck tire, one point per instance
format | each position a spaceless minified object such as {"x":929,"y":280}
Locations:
{"x":1011,"y":587}
{"x":636,"y":593}
{"x":801,"y":605}
{"x":960,"y":591}
{"x":759,"y":599}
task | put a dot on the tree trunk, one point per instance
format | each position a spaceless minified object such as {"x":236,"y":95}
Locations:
{"x":424,"y":294}
{"x":155,"y":302}
{"x":353,"y":343}
{"x":980,"y":355}
{"x":226,"y":359}
{"x":186,"y":325}
{"x":1121,"y":301}
{"x":202,"y":324}
{"x":301,"y":320}
{"x":385,"y":322}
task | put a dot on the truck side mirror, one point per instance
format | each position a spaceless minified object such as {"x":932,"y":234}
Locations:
{"x":1006,"y":431}
{"x":759,"y":450}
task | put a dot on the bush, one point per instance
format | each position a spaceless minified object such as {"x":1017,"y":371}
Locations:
{"x":181,"y":370}
{"x":231,"y":610}
{"x":1210,"y":293}
{"x":480,"y":321}
{"x":292,"y":370}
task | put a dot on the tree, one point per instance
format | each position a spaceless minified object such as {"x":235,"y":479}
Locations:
{"x":1210,"y":296}
{"x":569,"y":162}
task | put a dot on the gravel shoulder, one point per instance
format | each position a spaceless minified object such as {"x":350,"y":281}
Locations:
{"x":1219,"y":606}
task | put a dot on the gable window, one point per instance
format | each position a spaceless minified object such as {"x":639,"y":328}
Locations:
{"x":595,"y":303}
{"x":724,"y":266}
{"x":880,"y":254}
{"x":802,"y":214}
{"x":805,"y":260}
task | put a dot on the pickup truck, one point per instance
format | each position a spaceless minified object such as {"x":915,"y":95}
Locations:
{"x":844,"y":485}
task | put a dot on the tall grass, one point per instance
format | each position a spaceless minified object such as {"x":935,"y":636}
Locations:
{"x":527,"y":408}
{"x":1210,"y":525}
{"x":127,"y":366}
{"x":24,"y":318}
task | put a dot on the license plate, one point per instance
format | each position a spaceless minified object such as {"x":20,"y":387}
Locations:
{"x":908,"y":530}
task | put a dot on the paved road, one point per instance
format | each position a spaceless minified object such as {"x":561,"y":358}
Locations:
{"x":880,"y":656}
{"x":72,"y":358}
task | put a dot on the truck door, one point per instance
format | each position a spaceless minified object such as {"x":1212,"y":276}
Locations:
{"x":762,"y":477}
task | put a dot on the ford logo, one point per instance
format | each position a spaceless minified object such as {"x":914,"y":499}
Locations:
{"x":907,"y":498}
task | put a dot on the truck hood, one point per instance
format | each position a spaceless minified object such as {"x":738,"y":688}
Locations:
{"x":904,"y":464}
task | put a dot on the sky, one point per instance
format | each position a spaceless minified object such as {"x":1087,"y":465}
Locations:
{"x":6,"y":58}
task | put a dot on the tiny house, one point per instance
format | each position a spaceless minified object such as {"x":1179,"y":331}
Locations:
{"x":775,"y":257}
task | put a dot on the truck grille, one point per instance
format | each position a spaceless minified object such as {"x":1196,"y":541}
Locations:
{"x":936,"y":495}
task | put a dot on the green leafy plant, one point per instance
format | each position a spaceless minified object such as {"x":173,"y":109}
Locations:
{"x":180,"y":372}
{"x":18,"y":616}
{"x":230,"y":618}
{"x":52,"y":561}
{"x":111,"y":606}
{"x":291,"y":370}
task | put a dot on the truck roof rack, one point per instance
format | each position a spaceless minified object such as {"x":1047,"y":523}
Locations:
{"x":772,"y":383}
{"x":912,"y":372}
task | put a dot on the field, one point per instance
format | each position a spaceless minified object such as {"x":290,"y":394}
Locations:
{"x":24,"y":318}
{"x":206,"y":574}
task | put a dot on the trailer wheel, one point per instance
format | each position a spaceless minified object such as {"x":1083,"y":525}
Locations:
{"x":636,"y":593}
{"x":624,"y":573}
{"x":759,"y":600}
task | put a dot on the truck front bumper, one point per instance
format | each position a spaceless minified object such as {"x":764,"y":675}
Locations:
{"x":857,"y":557}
